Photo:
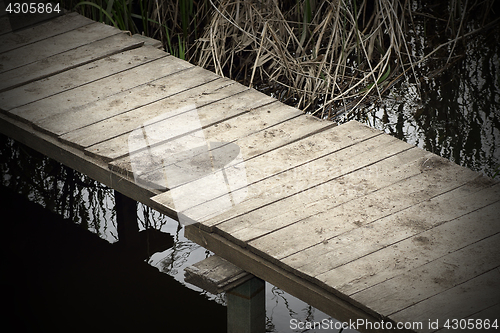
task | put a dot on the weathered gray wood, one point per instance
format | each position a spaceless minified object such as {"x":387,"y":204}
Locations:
{"x":356,"y":223}
{"x":461,"y":301}
{"x":432,"y":278}
{"x":360,"y":212}
{"x":488,"y":315}
{"x":330,"y":303}
{"x":39,"y":32}
{"x":66,"y":60}
{"x":394,"y":228}
{"x":125,"y":91}
{"x":229,"y":130}
{"x":297,"y":179}
{"x":266,"y":140}
{"x":210,"y":109}
{"x":55,"y":45}
{"x":215,"y":275}
{"x":259,"y":171}
{"x":155,"y":112}
{"x":5,"y":27}
{"x":148,"y":41}
{"x":83,"y":75}
{"x":332,"y":193}
{"x":76,"y":159}
{"x":413,"y":251}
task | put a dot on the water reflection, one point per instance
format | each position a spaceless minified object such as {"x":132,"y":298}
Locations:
{"x":454,"y":112}
{"x":91,"y":205}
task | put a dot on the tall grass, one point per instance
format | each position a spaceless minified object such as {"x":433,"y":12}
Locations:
{"x":325,"y":57}
{"x":176,"y":23}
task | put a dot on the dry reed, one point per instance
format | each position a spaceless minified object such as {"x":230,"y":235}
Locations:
{"x":331,"y":56}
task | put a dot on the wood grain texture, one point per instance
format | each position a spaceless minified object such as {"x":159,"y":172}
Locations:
{"x":57,"y":90}
{"x":54,"y":45}
{"x":42,"y":31}
{"x":69,"y":59}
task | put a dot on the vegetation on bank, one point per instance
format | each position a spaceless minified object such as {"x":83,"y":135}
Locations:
{"x":324,"y":57}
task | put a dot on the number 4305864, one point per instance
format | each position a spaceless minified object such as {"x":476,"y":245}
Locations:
{"x":32,"y":8}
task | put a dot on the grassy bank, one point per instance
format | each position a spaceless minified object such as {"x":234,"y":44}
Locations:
{"x":324,"y":57}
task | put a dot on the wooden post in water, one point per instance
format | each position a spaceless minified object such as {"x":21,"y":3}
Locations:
{"x":245,"y":293}
{"x":126,"y":219}
{"x":246,"y":307}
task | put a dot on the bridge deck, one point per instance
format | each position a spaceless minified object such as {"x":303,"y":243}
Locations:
{"x":347,"y":218}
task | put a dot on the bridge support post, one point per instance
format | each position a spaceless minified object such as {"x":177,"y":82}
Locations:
{"x":246,"y":307}
{"x":126,"y":219}
{"x":245,"y":293}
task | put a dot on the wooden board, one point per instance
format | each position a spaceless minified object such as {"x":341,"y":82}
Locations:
{"x":416,"y":285}
{"x":39,"y":32}
{"x":118,"y":94}
{"x":172,"y":113}
{"x":390,"y":230}
{"x":327,"y":302}
{"x":76,"y":160}
{"x":54,"y":45}
{"x":263,"y":166}
{"x":66,"y":60}
{"x":227,"y":131}
{"x":345,"y":219}
{"x":412,"y":252}
{"x":289,"y":178}
{"x":154,"y":112}
{"x":461,"y":301}
{"x":330,"y":194}
{"x":50,"y":89}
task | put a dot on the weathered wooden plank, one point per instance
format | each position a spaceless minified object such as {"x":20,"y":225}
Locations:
{"x":67,"y":60}
{"x":323,"y":300}
{"x":458,"y":302}
{"x":160,"y":130}
{"x":42,"y":31}
{"x":414,"y":251}
{"x":79,"y":76}
{"x":346,"y":219}
{"x":486,"y":316}
{"x":229,"y":130}
{"x":122,"y":95}
{"x":297,"y":178}
{"x":435,"y":277}
{"x":215,"y":275}
{"x":448,"y":206}
{"x":155,"y":112}
{"x":5,"y":27}
{"x":148,"y":41}
{"x":19,"y":21}
{"x":325,"y":196}
{"x":76,"y":160}
{"x":263,"y":167}
{"x":55,"y":45}
{"x":269,"y":139}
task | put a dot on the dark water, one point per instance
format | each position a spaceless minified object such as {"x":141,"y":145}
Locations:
{"x":453,"y":110}
{"x":59,"y":277}
{"x":69,"y":272}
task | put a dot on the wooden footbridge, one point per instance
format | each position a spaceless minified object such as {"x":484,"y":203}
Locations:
{"x":353,"y":221}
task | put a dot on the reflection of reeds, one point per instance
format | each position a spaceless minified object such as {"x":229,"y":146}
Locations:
{"x":326,"y":56}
